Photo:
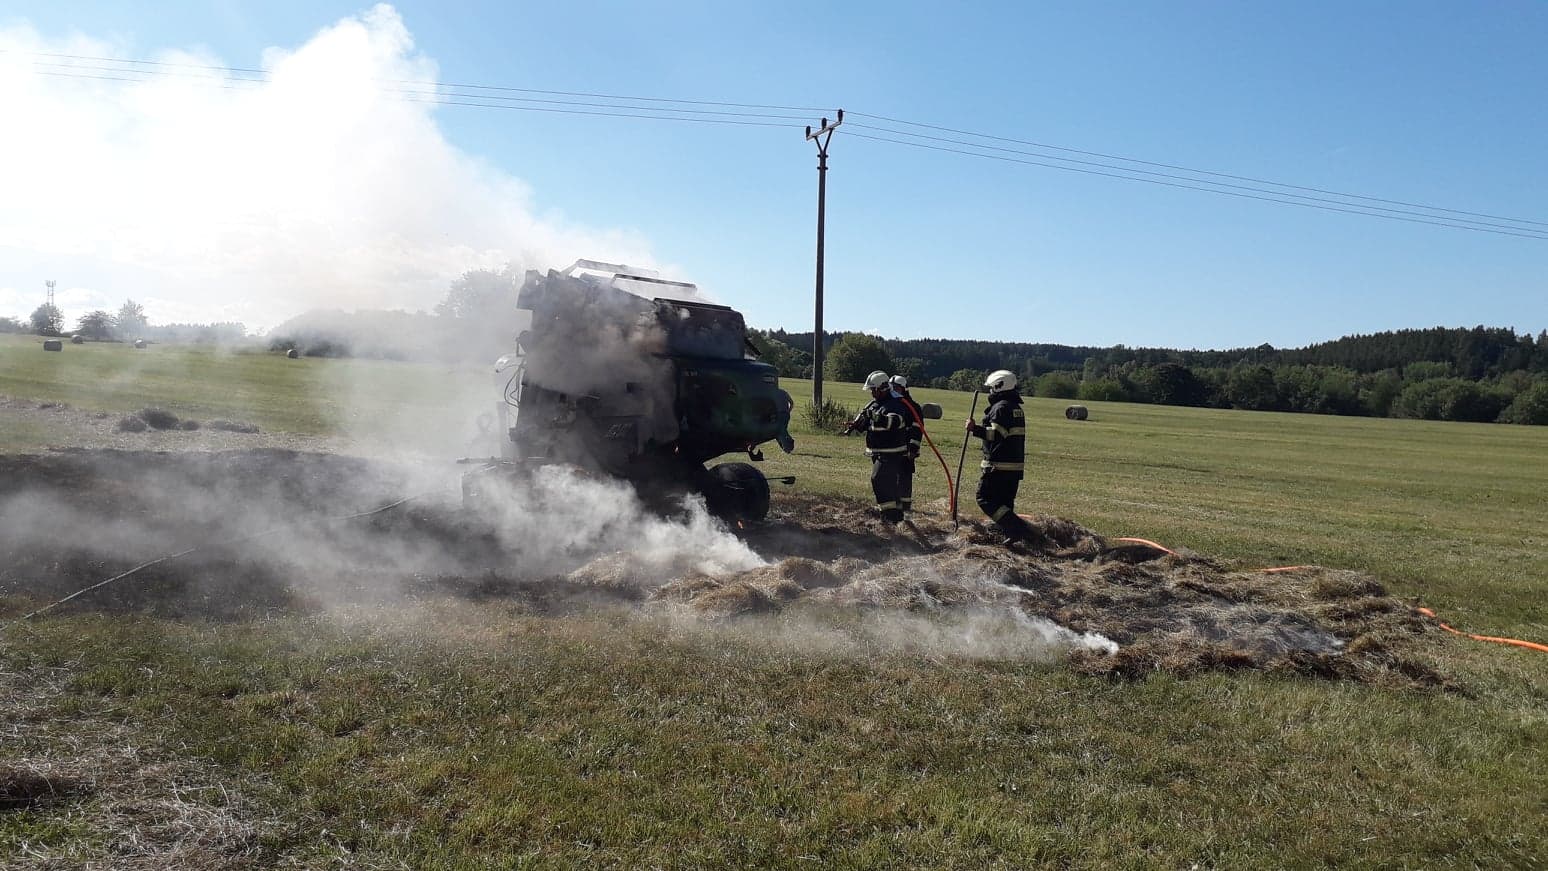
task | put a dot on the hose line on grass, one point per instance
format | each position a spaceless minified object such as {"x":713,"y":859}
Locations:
{"x":1517,"y":642}
{"x":145,"y":565}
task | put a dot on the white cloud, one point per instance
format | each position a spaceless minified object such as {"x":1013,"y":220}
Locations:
{"x":209,"y":199}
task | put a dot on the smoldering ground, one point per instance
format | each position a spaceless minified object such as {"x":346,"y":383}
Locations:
{"x":287,"y":532}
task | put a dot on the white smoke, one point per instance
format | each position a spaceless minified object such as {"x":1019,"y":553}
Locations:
{"x":210,"y":199}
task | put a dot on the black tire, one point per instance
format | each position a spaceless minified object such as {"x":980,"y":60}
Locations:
{"x":738,"y":491}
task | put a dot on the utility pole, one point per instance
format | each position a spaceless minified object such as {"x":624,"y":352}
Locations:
{"x":820,"y":136}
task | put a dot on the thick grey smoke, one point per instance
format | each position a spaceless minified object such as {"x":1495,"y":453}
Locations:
{"x":208,"y":198}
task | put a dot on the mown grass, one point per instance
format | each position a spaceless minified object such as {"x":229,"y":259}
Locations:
{"x":462,"y":736}
{"x":309,"y":395}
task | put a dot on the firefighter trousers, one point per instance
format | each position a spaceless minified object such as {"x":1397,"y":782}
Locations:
{"x":997,"y":498}
{"x":906,"y":485}
{"x":887,"y":474}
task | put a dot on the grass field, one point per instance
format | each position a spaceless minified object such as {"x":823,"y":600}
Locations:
{"x":463,"y":736}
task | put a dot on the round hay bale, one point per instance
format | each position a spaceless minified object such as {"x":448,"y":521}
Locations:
{"x":1076,"y":412}
{"x":132,"y":424}
{"x":53,"y":345}
{"x":77,"y":339}
{"x":293,"y":354}
{"x":139,"y":344}
{"x":188,"y":425}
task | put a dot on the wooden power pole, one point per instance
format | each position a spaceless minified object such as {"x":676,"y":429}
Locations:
{"x":821,"y":136}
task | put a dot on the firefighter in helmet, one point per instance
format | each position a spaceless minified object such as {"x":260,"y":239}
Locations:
{"x":1004,"y":432}
{"x":889,"y":429}
{"x":915,"y":417}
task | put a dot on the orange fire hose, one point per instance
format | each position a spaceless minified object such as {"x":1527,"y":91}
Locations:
{"x":1529,"y":645}
{"x":950,"y":484}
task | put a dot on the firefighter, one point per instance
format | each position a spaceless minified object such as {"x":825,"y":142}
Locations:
{"x":888,"y":431}
{"x":915,"y":417}
{"x":1004,"y":432}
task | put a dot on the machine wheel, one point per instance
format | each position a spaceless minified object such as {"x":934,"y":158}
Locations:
{"x":738,"y":491}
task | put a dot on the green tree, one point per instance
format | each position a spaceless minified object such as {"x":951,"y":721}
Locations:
{"x":1058,"y":385}
{"x":790,"y":362}
{"x":130,"y":322}
{"x":1379,"y":391}
{"x":47,"y":320}
{"x":855,"y":356}
{"x":966,"y":380}
{"x":1529,"y":407}
{"x":1102,"y":390}
{"x":481,"y":294}
{"x":1252,"y":388}
{"x":1171,"y":384}
{"x":1449,"y":399}
{"x":12,"y":325}
{"x":912,"y":368}
{"x":96,"y":325}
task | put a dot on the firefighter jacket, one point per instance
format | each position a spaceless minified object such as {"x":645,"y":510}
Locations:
{"x":1004,"y":432}
{"x":889,"y":427}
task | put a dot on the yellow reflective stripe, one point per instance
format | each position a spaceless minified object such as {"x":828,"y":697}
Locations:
{"x":1000,"y":512}
{"x":885,"y":450}
{"x":1016,"y":431}
{"x":1003,"y":467}
{"x":885,"y":505}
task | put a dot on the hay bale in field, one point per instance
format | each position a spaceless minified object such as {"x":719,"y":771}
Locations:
{"x":139,"y":344}
{"x":188,"y":425}
{"x":77,"y":339}
{"x":132,"y":424}
{"x":293,"y":354}
{"x":53,"y":345}
{"x":158,"y":418}
{"x":233,"y":426}
{"x":1076,"y":412}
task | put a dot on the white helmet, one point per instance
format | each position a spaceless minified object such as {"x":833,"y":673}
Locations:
{"x":899,"y":382}
{"x":1000,"y":379}
{"x":876,"y":379}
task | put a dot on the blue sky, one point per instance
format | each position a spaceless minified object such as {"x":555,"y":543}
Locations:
{"x":1433,"y":103}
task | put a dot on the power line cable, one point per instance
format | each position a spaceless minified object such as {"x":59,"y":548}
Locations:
{"x":1193,"y":170}
{"x":648,"y":113}
{"x":1526,"y":234}
{"x":454,"y":94}
{"x":438,"y":95}
{"x":1188,"y":178}
{"x":265,"y":75}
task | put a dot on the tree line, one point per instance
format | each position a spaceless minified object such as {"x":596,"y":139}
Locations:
{"x":1460,"y":374}
{"x":127,"y":324}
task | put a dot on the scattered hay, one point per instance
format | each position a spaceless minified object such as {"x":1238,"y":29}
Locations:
{"x":188,"y":425}
{"x":132,"y":424}
{"x":1176,"y":612}
{"x":27,"y":787}
{"x":233,"y":426}
{"x":158,"y":418}
{"x":149,"y":806}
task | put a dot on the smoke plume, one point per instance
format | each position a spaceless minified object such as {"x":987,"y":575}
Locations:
{"x":210,"y":197}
